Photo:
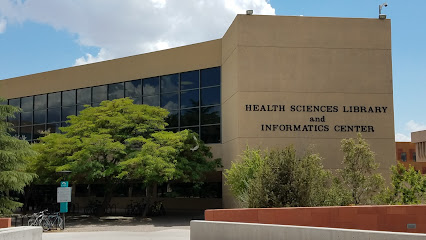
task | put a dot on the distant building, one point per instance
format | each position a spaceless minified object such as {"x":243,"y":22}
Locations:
{"x":419,"y":138}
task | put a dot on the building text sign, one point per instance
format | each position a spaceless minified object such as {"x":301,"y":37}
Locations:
{"x":63,"y":194}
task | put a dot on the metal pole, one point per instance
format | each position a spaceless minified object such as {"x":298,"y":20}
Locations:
{"x":64,"y":219}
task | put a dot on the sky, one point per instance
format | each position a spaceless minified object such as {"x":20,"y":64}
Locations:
{"x":43,"y":35}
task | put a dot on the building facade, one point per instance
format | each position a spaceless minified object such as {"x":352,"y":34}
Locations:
{"x":271,"y":81}
{"x":419,"y":139}
{"x":407,"y":156}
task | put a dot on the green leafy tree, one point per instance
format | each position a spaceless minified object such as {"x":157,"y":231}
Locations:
{"x":358,"y":174}
{"x":408,"y":186}
{"x":105,"y":144}
{"x":13,"y":162}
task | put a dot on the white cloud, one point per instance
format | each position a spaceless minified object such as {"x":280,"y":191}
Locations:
{"x":414,"y":127}
{"x":123,"y":28}
{"x":399,"y":137}
{"x":3,"y":24}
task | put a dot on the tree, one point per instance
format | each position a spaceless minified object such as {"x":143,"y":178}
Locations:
{"x":358,"y":172}
{"x":278,"y":178}
{"x":13,"y":162}
{"x":408,"y":186}
{"x":115,"y":141}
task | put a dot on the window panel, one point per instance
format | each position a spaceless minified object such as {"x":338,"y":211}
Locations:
{"x":151,"y":86}
{"x":67,"y":111}
{"x":189,"y":99}
{"x":189,"y":117}
{"x":53,"y":127}
{"x":210,"y":96}
{"x":96,"y":104}
{"x":99,"y":94}
{"x":404,"y":156}
{"x":53,"y":115}
{"x":54,"y":100}
{"x":27,"y":104}
{"x":84,"y":96}
{"x":210,"y":77}
{"x":210,"y":134}
{"x":40,"y":116}
{"x":175,"y":130}
{"x":194,"y":129}
{"x":65,"y":124}
{"x":26,"y":133}
{"x":169,"y":83}
{"x":40,"y":102}
{"x":37,"y":131}
{"x":170,"y":101}
{"x":16,"y":120}
{"x":15,"y":102}
{"x":210,"y":115}
{"x":152,"y":100}
{"x":137,"y":101}
{"x":80,"y":108}
{"x":173,"y":119}
{"x":26,"y":118}
{"x":68,"y":98}
{"x":14,"y":131}
{"x":189,"y":80}
{"x":133,"y":89}
{"x":115,"y":91}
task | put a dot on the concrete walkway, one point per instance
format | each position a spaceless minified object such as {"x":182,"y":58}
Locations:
{"x":176,"y":234}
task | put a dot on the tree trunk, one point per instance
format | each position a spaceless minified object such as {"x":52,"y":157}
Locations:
{"x":107,"y":199}
{"x":151,"y":195}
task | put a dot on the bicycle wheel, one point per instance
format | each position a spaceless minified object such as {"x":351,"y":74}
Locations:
{"x":45,"y":225}
{"x":61,"y":223}
{"x":32,"y":222}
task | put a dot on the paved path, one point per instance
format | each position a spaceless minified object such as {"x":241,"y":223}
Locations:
{"x":178,"y":234}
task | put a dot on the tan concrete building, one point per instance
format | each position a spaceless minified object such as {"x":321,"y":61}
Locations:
{"x":419,"y":138}
{"x":282,"y":80}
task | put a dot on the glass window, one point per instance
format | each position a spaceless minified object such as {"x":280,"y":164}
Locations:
{"x":25,"y":133}
{"x":84,"y":96}
{"x":68,"y":98}
{"x":80,"y":108}
{"x":210,"y":134}
{"x":210,"y":115}
{"x":404,"y":156}
{"x":15,"y":102}
{"x":37,"y":131}
{"x":53,"y":115}
{"x":210,"y":96}
{"x":96,"y":104}
{"x":54,"y":100}
{"x":151,"y":86}
{"x":26,"y":118}
{"x":14,"y":131}
{"x":152,"y":100}
{"x":189,"y":80}
{"x":189,"y":99}
{"x":99,"y":94}
{"x":169,"y":101}
{"x":133,"y":89}
{"x":65,"y":124}
{"x":194,"y":129}
{"x":414,"y":156}
{"x":210,"y":77}
{"x":169,"y":83}
{"x":40,"y":102}
{"x":39,"y":116}
{"x":53,"y":127}
{"x":137,"y":101}
{"x":115,"y":91}
{"x":173,"y":119}
{"x":27,"y":104}
{"x":67,"y":111}
{"x":15,"y":121}
{"x":189,"y":117}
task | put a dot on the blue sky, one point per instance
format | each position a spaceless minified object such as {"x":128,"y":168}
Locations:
{"x":43,"y":35}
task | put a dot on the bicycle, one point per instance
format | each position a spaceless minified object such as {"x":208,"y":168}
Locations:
{"x":46,"y":221}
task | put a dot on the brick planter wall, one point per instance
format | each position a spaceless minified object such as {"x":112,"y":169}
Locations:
{"x":5,"y":222}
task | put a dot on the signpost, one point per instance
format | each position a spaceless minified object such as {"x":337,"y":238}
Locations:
{"x":64,"y":197}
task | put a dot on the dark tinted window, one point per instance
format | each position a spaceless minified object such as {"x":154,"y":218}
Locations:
{"x":25,"y":133}
{"x":173,"y":119}
{"x":27,"y":104}
{"x":169,"y":101}
{"x":84,"y":96}
{"x":79,"y":108}
{"x":194,"y":129}
{"x":99,"y":94}
{"x":189,"y":117}
{"x":53,"y":115}
{"x":53,"y":127}
{"x":170,"y":83}
{"x":40,"y":116}
{"x":115,"y":91}
{"x":15,"y":102}
{"x":210,"y":96}
{"x":210,"y":77}
{"x":133,"y":89}
{"x":210,"y":115}
{"x":40,"y":102}
{"x":68,"y":98}
{"x":67,"y":111}
{"x":54,"y":100}
{"x":152,"y":100}
{"x":404,"y":156}
{"x":37,"y":131}
{"x":210,"y":134}
{"x":15,"y":120}
{"x":189,"y":99}
{"x":151,"y":86}
{"x":189,"y":80}
{"x":137,"y":101}
{"x":26,"y":118}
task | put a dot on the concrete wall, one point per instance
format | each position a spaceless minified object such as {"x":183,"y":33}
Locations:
{"x":205,"y":230}
{"x":379,"y":218}
{"x":21,"y":233}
